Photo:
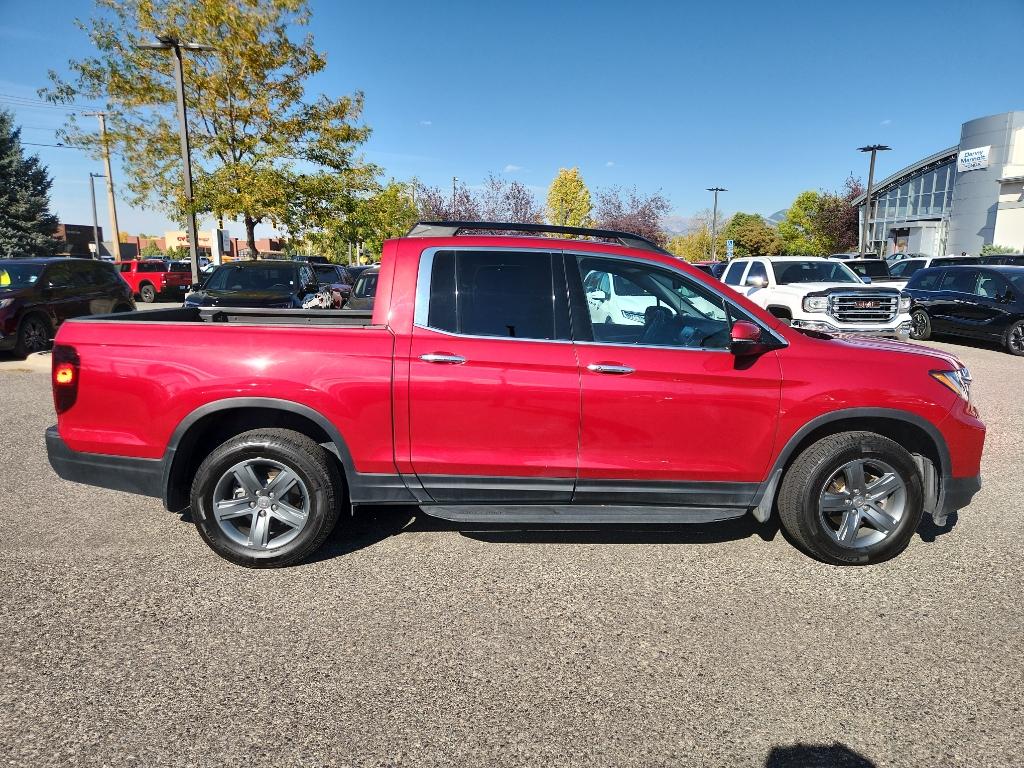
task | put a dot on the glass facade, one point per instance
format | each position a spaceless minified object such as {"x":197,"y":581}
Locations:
{"x":925,"y":195}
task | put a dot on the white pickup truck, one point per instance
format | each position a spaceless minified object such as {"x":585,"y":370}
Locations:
{"x":821,"y":295}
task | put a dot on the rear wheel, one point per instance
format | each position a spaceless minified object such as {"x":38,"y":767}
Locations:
{"x":854,"y":498}
{"x":33,"y":335}
{"x":1013,"y":339}
{"x":148,"y":293}
{"x":921,"y":325}
{"x":267,"y":498}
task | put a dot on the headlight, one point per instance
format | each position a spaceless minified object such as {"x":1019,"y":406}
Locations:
{"x":905,"y":302}
{"x":633,"y":317}
{"x":5,"y":303}
{"x":959,"y":381}
{"x":815,"y":303}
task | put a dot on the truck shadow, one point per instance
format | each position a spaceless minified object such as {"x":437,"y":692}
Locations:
{"x":816,"y":756}
{"x":368,"y":527}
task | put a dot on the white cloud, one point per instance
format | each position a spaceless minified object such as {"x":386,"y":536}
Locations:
{"x":426,"y":123}
{"x":512,"y":168}
{"x":610,"y":164}
{"x":887,"y":121}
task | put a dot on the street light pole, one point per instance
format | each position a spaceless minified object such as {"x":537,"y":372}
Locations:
{"x":115,"y":240}
{"x":714,"y":220}
{"x":454,"y":179}
{"x":170,"y":43}
{"x":95,"y":221}
{"x":874,"y":149}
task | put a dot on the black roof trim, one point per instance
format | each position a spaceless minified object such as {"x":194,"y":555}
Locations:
{"x":452,"y":228}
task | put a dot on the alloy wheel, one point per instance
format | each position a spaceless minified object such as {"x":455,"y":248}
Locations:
{"x":35,"y":335}
{"x":1016,"y":339}
{"x":261,"y":504}
{"x":862,"y":503}
{"x":920,"y":324}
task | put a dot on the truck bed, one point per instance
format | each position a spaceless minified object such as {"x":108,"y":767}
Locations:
{"x":241,"y":316}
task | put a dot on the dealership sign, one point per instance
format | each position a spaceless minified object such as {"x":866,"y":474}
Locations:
{"x":972,"y":159}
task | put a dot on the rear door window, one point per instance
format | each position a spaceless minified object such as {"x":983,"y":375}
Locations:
{"x":508,"y":294}
{"x":926,"y":280}
{"x":960,"y":281}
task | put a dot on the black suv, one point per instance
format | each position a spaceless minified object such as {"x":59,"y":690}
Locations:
{"x":265,"y":283}
{"x":37,"y":295}
{"x":982,"y":302}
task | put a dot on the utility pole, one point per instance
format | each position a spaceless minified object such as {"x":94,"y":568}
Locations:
{"x":874,"y":149}
{"x":454,"y":179}
{"x":714,"y":220}
{"x":115,"y":238}
{"x":170,"y":43}
{"x":95,"y":222}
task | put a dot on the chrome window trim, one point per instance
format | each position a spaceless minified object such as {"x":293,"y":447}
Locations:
{"x":426,"y":265}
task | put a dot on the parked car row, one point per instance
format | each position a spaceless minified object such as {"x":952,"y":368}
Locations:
{"x":37,"y":295}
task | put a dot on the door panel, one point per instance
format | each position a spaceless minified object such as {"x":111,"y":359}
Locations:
{"x":681,"y":415}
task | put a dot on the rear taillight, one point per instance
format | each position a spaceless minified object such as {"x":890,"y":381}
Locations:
{"x":65,"y":377}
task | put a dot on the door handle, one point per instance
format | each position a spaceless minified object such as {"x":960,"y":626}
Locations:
{"x":610,"y":368}
{"x":443,"y":358}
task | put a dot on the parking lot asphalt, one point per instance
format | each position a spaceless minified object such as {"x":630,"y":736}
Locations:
{"x":415,"y":642}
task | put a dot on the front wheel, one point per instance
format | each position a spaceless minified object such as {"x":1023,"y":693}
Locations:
{"x":920,"y":325}
{"x":854,"y":498}
{"x":1013,"y":339}
{"x":33,"y":336}
{"x":267,"y":498}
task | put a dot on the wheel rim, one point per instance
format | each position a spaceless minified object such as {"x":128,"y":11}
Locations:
{"x":1017,"y":338}
{"x":35,"y":335}
{"x":260,"y":504}
{"x":148,"y":294}
{"x":920,"y":320}
{"x":862,"y":503}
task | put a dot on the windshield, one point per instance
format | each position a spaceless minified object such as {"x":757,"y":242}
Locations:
{"x":366,"y":286}
{"x":812,"y":271}
{"x":235,"y":278}
{"x":19,"y":275}
{"x":870,"y":268}
{"x":327,"y":274}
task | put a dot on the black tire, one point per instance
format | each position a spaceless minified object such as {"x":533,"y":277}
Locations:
{"x":920,"y":325}
{"x":34,"y":333}
{"x":123,"y":308}
{"x":299,"y":454}
{"x":1013,"y":339}
{"x":805,"y":480}
{"x":147,"y":293}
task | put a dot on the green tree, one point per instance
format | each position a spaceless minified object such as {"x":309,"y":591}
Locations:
{"x":250,"y":118}
{"x":569,"y":201}
{"x":835,"y":219}
{"x":800,"y":236}
{"x":151,"y":251}
{"x":27,"y":227}
{"x":992,"y":249}
{"x":752,"y":236}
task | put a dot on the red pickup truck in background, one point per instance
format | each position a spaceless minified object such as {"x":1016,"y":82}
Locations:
{"x":150,"y":278}
{"x":482,"y":387}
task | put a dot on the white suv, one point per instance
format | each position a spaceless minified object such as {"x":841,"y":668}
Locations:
{"x":821,"y":295}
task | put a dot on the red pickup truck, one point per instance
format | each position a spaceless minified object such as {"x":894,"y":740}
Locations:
{"x":483,"y":388}
{"x":150,"y":278}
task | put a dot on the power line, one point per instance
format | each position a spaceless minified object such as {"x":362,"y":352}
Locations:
{"x":28,"y":100}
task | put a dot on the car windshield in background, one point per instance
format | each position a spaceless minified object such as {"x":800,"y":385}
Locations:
{"x":327,"y":274}
{"x":873,"y":268}
{"x":1016,"y":280}
{"x":366,"y":286}
{"x":19,"y":275}
{"x":234,"y":278}
{"x":812,"y":271}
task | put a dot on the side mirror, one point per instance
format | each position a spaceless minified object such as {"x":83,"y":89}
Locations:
{"x":745,"y":339}
{"x":598,"y":296}
{"x":757,"y":282}
{"x":865,"y":279}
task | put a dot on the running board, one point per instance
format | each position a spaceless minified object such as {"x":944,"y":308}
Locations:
{"x":570,"y":514}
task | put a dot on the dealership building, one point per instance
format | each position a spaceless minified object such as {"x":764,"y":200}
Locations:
{"x":960,"y":199}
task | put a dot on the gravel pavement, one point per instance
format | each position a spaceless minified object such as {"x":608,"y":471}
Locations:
{"x":415,"y":642}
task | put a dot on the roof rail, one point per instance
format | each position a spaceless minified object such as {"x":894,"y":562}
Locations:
{"x":452,"y":228}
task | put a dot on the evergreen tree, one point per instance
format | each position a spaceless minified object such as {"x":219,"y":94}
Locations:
{"x":26,"y":225}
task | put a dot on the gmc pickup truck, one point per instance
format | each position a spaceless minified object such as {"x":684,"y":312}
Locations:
{"x":488,"y":386}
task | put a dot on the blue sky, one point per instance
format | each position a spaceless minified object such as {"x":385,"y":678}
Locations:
{"x":765,"y":99}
